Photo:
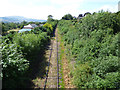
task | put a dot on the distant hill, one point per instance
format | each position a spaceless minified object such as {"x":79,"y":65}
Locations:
{"x":19,"y":19}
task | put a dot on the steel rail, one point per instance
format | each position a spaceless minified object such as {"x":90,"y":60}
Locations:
{"x":49,"y":65}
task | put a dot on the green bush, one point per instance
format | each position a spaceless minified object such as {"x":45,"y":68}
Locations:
{"x":82,"y":75}
{"x":93,"y":42}
{"x":31,"y":43}
{"x":19,"y":52}
{"x":13,"y":62}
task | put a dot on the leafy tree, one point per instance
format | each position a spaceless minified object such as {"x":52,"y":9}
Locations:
{"x":21,"y":26}
{"x":80,"y":15}
{"x":50,"y":16}
{"x":87,"y":13}
{"x":37,"y":23}
{"x":24,"y":22}
{"x":31,"y":22}
{"x":49,"y":28}
{"x":67,"y":17}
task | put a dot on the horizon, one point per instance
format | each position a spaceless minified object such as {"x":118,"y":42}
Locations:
{"x":40,"y":9}
{"x":23,"y":17}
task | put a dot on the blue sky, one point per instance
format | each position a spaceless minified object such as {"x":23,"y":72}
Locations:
{"x":40,"y":9}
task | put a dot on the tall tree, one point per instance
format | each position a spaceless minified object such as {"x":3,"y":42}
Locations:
{"x":87,"y":13}
{"x":67,"y":17}
{"x":50,"y":16}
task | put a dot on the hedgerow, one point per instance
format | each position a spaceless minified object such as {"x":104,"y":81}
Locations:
{"x":94,"y":43}
{"x":19,"y":52}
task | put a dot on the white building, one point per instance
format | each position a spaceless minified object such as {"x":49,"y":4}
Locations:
{"x":30,"y":26}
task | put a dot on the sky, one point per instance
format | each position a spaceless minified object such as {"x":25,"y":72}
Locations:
{"x":40,"y":9}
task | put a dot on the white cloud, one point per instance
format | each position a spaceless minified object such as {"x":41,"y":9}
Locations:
{"x":111,"y":8}
{"x":8,"y":8}
{"x":66,"y":2}
{"x":36,"y":11}
{"x":101,"y":1}
{"x":42,"y":8}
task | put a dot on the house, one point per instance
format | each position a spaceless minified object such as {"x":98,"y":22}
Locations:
{"x":41,"y":25}
{"x":23,"y":30}
{"x":28,"y":27}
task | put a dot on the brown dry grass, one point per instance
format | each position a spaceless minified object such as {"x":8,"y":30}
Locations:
{"x":66,"y":68}
{"x":13,"y":30}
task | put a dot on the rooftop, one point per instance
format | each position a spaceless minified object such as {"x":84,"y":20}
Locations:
{"x":23,"y":30}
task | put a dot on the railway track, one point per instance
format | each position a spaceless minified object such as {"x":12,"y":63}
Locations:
{"x":48,"y":66}
{"x":56,"y":76}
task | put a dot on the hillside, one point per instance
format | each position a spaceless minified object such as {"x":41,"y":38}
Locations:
{"x":17,"y":19}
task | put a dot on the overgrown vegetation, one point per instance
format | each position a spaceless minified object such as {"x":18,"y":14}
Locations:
{"x":94,"y":43}
{"x":61,"y":83}
{"x":20,"y":54}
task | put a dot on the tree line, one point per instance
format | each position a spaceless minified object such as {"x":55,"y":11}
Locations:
{"x":9,"y":26}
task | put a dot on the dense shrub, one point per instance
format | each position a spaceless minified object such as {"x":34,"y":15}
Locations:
{"x":13,"y":62}
{"x":49,"y":28}
{"x":31,"y":43}
{"x":94,"y":43}
{"x":19,"y":52}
